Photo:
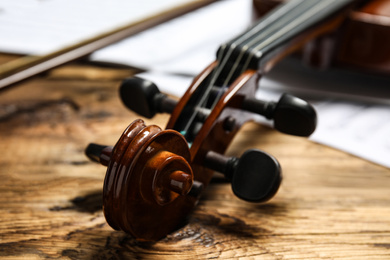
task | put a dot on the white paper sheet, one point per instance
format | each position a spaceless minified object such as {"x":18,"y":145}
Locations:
{"x":184,"y":45}
{"x":42,"y":26}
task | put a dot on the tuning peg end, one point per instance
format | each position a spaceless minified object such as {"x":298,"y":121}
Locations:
{"x":143,"y":97}
{"x":255,"y":176}
{"x":291,"y":114}
{"x":294,"y":116}
{"x":99,"y":153}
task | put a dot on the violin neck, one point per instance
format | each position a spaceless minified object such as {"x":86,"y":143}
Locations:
{"x":276,"y":30}
{"x":274,"y":36}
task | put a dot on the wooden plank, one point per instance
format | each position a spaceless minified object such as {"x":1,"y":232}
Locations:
{"x":331,"y":205}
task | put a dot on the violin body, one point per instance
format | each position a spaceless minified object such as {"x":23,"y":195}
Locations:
{"x":156,"y":177}
{"x":361,"y":42}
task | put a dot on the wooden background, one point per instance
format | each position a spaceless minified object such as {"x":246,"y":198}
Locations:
{"x":331,"y":205}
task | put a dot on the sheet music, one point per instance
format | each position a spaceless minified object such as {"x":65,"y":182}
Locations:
{"x":184,"y":45}
{"x":361,"y":129}
{"x":353,"y":110}
{"x":42,"y":26}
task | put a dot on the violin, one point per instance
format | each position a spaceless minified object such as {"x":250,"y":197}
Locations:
{"x":156,"y":177}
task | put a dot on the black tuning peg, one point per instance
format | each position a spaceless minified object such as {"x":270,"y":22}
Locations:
{"x":98,"y":153}
{"x":291,"y":115}
{"x":143,"y":97}
{"x":255,"y":177}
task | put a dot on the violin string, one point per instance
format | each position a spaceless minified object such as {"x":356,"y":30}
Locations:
{"x":264,"y":34}
{"x":259,"y":34}
{"x":268,"y":23}
{"x":194,"y":113}
{"x":322,"y":6}
{"x":222,"y":60}
{"x":258,"y":43}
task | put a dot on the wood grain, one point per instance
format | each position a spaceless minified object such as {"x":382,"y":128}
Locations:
{"x":331,"y":205}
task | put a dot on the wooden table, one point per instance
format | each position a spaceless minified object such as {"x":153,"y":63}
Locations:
{"x":331,"y":205}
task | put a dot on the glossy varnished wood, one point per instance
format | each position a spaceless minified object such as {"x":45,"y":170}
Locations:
{"x":330,"y":206}
{"x":360,"y":42}
{"x":148,"y":179}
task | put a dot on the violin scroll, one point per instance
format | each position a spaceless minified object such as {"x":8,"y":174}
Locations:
{"x":149,"y":187}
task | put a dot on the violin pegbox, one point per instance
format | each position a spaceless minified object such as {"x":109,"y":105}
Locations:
{"x":254,"y":177}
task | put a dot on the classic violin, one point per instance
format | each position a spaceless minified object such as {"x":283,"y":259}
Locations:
{"x":155,"y":177}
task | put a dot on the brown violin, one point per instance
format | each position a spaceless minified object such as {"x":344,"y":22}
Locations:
{"x":155,"y":177}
